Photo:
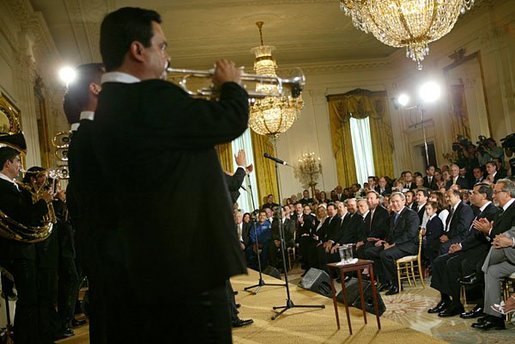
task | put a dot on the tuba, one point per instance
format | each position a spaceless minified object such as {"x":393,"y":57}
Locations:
{"x":9,"y":228}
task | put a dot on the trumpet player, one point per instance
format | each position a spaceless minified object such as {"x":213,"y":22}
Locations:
{"x":156,"y":146}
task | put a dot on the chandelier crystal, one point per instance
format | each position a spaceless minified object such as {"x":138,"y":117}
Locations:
{"x":406,"y":23}
{"x":271,"y":116}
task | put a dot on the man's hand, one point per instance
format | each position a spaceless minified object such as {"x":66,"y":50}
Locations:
{"x":444,"y":238}
{"x":226,"y":71}
{"x":483,"y":225}
{"x":502,"y":241}
{"x":240,"y":158}
{"x":359,"y":244}
{"x":454,"y":248}
{"x":387,"y":245}
{"x":249,"y":168}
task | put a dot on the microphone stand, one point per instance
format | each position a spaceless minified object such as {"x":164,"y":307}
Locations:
{"x":261,"y":282}
{"x":289,"y":303}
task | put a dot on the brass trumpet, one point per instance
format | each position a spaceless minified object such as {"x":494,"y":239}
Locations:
{"x":295,"y":84}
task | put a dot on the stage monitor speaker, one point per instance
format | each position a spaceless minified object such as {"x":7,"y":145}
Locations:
{"x":271,"y":271}
{"x":353,"y":299}
{"x":318,"y":281}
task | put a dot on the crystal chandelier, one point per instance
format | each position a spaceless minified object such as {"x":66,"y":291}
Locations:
{"x":271,"y":116}
{"x":406,"y":23}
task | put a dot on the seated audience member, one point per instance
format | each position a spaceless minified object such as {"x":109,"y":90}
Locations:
{"x":439,"y":180}
{"x":409,"y":183}
{"x":462,"y":257}
{"x":347,"y":230}
{"x":259,"y":243}
{"x":377,"y":221}
{"x":288,"y":228}
{"x":401,"y":241}
{"x":443,"y":210}
{"x":362,"y":226}
{"x":382,"y":187}
{"x":322,"y":198}
{"x":270,"y":202}
{"x":340,"y":196}
{"x":421,"y":198}
{"x":305,"y":226}
{"x":432,"y":233}
{"x":419,"y":182}
{"x":410,"y":199}
{"x":492,"y":175}
{"x":499,"y":263}
{"x":429,"y":179}
{"x":477,"y":174}
{"x":457,"y":223}
{"x":456,"y":179}
{"x":306,"y":200}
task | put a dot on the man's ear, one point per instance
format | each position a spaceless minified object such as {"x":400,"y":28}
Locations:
{"x":136,"y":51}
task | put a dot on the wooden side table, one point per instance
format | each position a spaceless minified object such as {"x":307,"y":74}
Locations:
{"x":360,"y":265}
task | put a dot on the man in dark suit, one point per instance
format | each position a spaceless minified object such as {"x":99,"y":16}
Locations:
{"x":376,"y":223}
{"x":401,"y":240}
{"x":382,"y":187}
{"x":20,"y":258}
{"x":478,"y":176}
{"x":156,"y":147}
{"x":462,"y":258}
{"x":429,"y":179}
{"x":306,"y":200}
{"x":456,"y":178}
{"x":270,"y":204}
{"x":458,"y":221}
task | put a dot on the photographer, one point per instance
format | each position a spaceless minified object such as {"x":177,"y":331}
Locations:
{"x":488,"y":150}
{"x":508,"y":144}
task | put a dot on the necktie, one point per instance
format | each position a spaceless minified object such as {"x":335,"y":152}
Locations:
{"x":449,"y":218}
{"x":396,"y":218}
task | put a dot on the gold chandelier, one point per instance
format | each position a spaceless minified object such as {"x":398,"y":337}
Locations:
{"x":309,"y":169}
{"x":406,"y":23}
{"x":271,"y":116}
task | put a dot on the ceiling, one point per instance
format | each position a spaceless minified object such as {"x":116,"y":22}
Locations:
{"x":201,"y":31}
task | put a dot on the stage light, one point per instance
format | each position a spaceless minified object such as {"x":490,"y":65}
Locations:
{"x":403,"y":99}
{"x":429,"y":92}
{"x":67,"y":75}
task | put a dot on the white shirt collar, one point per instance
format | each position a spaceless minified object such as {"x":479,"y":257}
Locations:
{"x":75,"y":126}
{"x":89,"y":115}
{"x":484,"y":206}
{"x":4,"y":177}
{"x":508,"y":204}
{"x":119,"y":77}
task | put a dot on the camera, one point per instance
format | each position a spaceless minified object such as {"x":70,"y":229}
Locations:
{"x":460,"y":144}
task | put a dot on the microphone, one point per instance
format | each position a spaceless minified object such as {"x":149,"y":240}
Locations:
{"x":277,"y":160}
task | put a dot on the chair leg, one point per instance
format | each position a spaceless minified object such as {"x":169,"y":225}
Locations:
{"x":420,"y":272}
{"x":406,"y":267}
{"x":399,"y":276}
{"x":413,"y":274}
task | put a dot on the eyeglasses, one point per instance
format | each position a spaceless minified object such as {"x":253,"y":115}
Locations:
{"x":496,"y":192}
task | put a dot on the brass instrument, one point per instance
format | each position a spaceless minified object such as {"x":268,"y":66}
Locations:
{"x":61,"y":142}
{"x":294,"y":85}
{"x":10,"y":228}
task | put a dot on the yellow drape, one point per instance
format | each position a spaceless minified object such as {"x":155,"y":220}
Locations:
{"x":264,"y":168}
{"x":360,"y":104}
{"x":459,"y":121}
{"x":224,"y":152}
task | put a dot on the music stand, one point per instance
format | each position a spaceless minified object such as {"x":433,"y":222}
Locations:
{"x":289,"y":303}
{"x":261,"y":282}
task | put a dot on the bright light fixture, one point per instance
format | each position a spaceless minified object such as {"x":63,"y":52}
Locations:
{"x":67,"y":74}
{"x":403,"y":99}
{"x":429,"y":91}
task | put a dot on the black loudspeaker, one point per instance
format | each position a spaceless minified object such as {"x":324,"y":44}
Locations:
{"x":353,"y":299}
{"x":318,"y":281}
{"x":271,"y":271}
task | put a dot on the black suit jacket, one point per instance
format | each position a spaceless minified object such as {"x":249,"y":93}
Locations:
{"x":234,"y":183}
{"x":461,"y":181}
{"x":288,"y":230}
{"x":503,"y":221}
{"x":380,"y":223}
{"x":476,"y":238}
{"x":156,"y":148}
{"x":19,"y":207}
{"x":431,"y":185}
{"x":404,"y":232}
{"x":460,"y":223}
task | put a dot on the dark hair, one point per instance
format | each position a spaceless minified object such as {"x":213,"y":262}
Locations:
{"x":435,"y":205}
{"x":122,"y":27}
{"x":425,"y":191}
{"x":6,"y":154}
{"x":77,"y":93}
{"x":486,"y":189}
{"x":32,"y":172}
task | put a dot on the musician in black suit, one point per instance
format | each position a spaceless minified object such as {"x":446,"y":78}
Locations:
{"x":458,"y":221}
{"x":156,"y":147}
{"x":462,"y":257}
{"x":20,"y":258}
{"x":402,"y":240}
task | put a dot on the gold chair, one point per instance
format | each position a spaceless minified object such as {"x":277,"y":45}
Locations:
{"x":508,"y":283}
{"x":406,"y":266}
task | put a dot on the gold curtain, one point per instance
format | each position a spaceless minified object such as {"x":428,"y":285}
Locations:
{"x":264,"y":168}
{"x":360,"y":104}
{"x":224,"y":152}
{"x":459,"y":115}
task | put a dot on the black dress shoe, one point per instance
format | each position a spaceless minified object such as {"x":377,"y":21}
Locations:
{"x":490,"y":323}
{"x":439,"y":307}
{"x":78,"y":322}
{"x":241,"y":322}
{"x":451,"y":311}
{"x":384,"y":286}
{"x":238,"y":305}
{"x":474,"y":313}
{"x":65,"y":334}
{"x":393,"y":290}
{"x":470,"y":280}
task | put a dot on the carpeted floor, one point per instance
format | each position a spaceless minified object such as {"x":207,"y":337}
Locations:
{"x":405,"y":321}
